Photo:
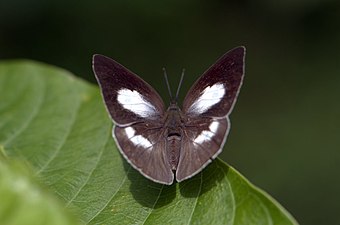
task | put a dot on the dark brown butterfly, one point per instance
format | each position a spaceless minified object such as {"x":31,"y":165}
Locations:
{"x":158,"y":141}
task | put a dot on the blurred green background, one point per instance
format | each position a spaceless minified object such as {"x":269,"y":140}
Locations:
{"x":285,"y":134}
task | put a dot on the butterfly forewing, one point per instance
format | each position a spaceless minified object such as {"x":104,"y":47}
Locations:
{"x":127,"y":97}
{"x":215,"y":92}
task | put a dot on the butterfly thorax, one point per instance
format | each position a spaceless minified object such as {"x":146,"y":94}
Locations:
{"x":174,"y":122}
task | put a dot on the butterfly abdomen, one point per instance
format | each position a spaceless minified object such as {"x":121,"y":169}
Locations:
{"x":173,"y":149}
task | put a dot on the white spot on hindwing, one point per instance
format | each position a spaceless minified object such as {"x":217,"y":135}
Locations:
{"x":214,"y":126}
{"x":210,"y":96}
{"x":137,"y":139}
{"x":130,"y":132}
{"x":206,"y":135}
{"x":134,"y":102}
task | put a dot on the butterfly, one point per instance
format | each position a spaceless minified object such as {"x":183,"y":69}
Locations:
{"x":173,"y":143}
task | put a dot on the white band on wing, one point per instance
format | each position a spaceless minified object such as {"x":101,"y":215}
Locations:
{"x":134,"y":102}
{"x":206,"y":135}
{"x":210,"y":96}
{"x":137,"y":139}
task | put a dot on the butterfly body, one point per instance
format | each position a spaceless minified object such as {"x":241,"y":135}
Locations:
{"x":174,"y":124}
{"x":177,"y":142}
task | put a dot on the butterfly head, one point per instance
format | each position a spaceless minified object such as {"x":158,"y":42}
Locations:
{"x":173,"y":100}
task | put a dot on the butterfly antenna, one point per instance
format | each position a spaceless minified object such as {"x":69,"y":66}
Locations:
{"x":167,"y":83}
{"x":179,"y":84}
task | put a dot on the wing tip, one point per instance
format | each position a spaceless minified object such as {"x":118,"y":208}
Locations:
{"x":239,"y":50}
{"x":98,"y":57}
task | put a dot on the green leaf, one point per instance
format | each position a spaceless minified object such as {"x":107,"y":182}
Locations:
{"x":23,"y":201}
{"x":59,"y":125}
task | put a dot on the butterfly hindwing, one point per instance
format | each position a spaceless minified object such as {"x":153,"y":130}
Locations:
{"x":127,"y":97}
{"x":200,"y":144}
{"x":143,"y":145}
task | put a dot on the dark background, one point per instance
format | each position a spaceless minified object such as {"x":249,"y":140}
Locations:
{"x":285,"y":135}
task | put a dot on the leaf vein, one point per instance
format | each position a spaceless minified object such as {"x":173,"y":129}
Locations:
{"x":63,"y":141}
{"x":91,"y":172}
{"x":263,"y":206}
{"x":198,"y":193}
{"x":153,"y":207}
{"x":114,"y":194}
{"x":30,"y":119}
{"x":231,"y":194}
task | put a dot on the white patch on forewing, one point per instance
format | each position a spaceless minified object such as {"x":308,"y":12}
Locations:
{"x":206,"y":135}
{"x":134,"y":102}
{"x":137,"y":139}
{"x":210,"y":96}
